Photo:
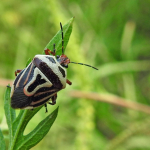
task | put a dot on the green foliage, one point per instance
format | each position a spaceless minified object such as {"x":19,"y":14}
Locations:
{"x":111,"y":35}
{"x":28,"y":62}
{"x":2,"y":142}
{"x":17,"y":125}
{"x":67,"y":29}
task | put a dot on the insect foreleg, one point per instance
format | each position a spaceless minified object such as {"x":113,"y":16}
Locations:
{"x":48,"y":52}
{"x":69,"y":82}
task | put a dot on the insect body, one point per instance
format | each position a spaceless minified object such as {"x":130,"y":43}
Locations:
{"x":40,"y":81}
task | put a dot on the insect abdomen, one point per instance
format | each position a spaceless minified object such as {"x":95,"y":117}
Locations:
{"x":19,"y":99}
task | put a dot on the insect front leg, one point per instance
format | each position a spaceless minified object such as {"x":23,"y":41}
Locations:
{"x":48,"y":52}
{"x":53,"y":100}
{"x":17,"y":71}
{"x":69,"y":82}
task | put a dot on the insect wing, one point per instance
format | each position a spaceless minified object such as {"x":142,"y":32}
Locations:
{"x":18,"y":98}
{"x":31,"y":88}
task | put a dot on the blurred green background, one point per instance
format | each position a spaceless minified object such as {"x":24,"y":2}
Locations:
{"x":111,"y":35}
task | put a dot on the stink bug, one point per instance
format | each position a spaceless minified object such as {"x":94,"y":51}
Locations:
{"x":40,"y":81}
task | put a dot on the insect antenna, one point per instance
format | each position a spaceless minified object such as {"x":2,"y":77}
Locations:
{"x":84,"y":65}
{"x":62,"y":38}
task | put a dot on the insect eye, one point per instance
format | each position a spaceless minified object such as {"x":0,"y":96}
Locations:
{"x":57,"y":56}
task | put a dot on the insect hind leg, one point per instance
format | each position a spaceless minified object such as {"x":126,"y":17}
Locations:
{"x":53,"y":100}
{"x":17,"y":71}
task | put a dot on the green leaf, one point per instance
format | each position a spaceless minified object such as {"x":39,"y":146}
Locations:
{"x":9,"y":112}
{"x":2,"y":142}
{"x":38,"y":133}
{"x":28,"y":62}
{"x":57,"y":39}
{"x":20,"y":123}
{"x":24,"y":117}
{"x":19,"y":141}
{"x":17,"y":125}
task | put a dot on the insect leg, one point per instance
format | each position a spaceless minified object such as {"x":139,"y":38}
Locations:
{"x":48,"y":52}
{"x":17,"y":71}
{"x":46,"y":108}
{"x":8,"y":86}
{"x":69,"y":82}
{"x":53,"y":100}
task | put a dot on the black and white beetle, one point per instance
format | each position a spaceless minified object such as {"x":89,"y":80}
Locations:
{"x":40,"y":81}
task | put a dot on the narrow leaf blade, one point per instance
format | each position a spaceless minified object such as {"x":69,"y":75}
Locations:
{"x":9,"y":112}
{"x":28,"y":62}
{"x":2,"y":142}
{"x":20,"y":123}
{"x":39,"y":132}
{"x":57,"y":39}
{"x":23,"y":118}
